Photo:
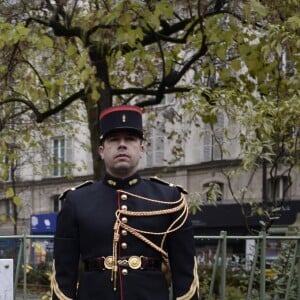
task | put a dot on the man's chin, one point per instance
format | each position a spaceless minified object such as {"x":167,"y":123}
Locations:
{"x":122,"y":169}
{"x":122,"y":165}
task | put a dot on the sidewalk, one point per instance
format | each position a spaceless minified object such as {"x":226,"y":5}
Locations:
{"x":30,"y":295}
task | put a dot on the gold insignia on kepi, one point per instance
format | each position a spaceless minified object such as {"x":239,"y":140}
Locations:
{"x":111,"y":182}
{"x":133,"y":181}
{"x":134,"y":262}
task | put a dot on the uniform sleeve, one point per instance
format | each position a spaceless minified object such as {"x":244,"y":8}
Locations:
{"x":66,"y":255}
{"x":183,"y":263}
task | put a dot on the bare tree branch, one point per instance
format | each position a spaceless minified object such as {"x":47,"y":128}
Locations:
{"x":143,"y":91}
{"x":41,"y":116}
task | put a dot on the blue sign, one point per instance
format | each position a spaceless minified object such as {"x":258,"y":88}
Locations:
{"x":43,"y":223}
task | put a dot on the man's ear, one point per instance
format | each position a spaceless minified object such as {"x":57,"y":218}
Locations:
{"x":100,"y":151}
{"x":142,"y":148}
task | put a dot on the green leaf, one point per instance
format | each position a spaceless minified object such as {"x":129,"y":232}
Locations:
{"x":71,"y":50}
{"x":125,"y":19}
{"x":236,"y":64}
{"x":221,"y":52}
{"x":17,"y":200}
{"x":9,"y":193}
{"x":294,"y":22}
{"x":27,"y":136}
{"x":95,"y":95}
{"x":163,"y":8}
{"x":46,"y":41}
{"x":22,"y":31}
{"x":3,"y":218}
{"x":260,"y":9}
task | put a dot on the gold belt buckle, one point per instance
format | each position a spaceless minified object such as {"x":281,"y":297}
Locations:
{"x":108,"y":262}
{"x":135,"y":262}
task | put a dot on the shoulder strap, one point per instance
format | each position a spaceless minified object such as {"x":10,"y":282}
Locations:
{"x":81,"y":185}
{"x":161,"y":181}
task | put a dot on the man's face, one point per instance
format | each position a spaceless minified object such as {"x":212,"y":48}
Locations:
{"x":121,"y":152}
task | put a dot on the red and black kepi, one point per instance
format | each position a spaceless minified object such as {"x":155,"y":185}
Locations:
{"x":123,"y":117}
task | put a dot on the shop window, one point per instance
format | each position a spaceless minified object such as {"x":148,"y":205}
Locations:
{"x":278,"y":188}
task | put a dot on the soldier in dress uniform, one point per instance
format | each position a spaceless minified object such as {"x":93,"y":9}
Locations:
{"x":124,"y":228}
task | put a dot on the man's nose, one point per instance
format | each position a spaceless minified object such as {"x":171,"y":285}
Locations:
{"x":122,"y":142}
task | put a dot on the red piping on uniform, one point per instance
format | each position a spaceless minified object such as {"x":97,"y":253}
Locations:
{"x":120,"y":276}
{"x":121,"y":286}
{"x":120,"y":108}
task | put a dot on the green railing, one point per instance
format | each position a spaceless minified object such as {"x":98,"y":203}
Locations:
{"x":258,"y":264}
{"x":256,"y":273}
{"x":21,"y":254}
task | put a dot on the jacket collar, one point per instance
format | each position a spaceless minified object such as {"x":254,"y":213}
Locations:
{"x":117,"y":183}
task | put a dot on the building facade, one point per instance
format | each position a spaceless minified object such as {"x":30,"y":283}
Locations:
{"x":175,"y":150}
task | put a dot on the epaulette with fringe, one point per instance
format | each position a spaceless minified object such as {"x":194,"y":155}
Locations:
{"x":159,"y":180}
{"x":81,"y":185}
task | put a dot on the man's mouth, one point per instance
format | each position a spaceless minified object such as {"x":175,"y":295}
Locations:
{"x":122,"y":155}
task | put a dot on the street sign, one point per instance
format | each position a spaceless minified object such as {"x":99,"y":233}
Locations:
{"x":6,"y":279}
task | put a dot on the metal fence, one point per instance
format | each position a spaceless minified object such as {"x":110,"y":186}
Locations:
{"x":253,"y":274}
{"x":281,"y":271}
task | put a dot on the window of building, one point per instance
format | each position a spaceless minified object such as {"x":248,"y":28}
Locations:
{"x":214,"y":192}
{"x":8,"y":207}
{"x":57,"y":203}
{"x":278,"y":188}
{"x":59,"y":160}
{"x":58,"y":156}
{"x":10,"y":167}
{"x":5,"y":169}
{"x":213,"y":140}
{"x":155,"y":147}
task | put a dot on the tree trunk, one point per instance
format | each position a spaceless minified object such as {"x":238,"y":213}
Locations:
{"x":94,"y":109}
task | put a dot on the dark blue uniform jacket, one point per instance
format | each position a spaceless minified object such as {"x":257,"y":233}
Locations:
{"x":85,"y":230}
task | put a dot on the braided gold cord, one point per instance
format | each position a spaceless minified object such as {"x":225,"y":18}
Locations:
{"x":194,"y":288}
{"x":152,"y":200}
{"x":179,"y":205}
{"x":150,"y":213}
{"x":183,"y":215}
{"x":55,"y":287}
{"x":154,"y":213}
{"x":114,"y":268}
{"x":145,"y":240}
